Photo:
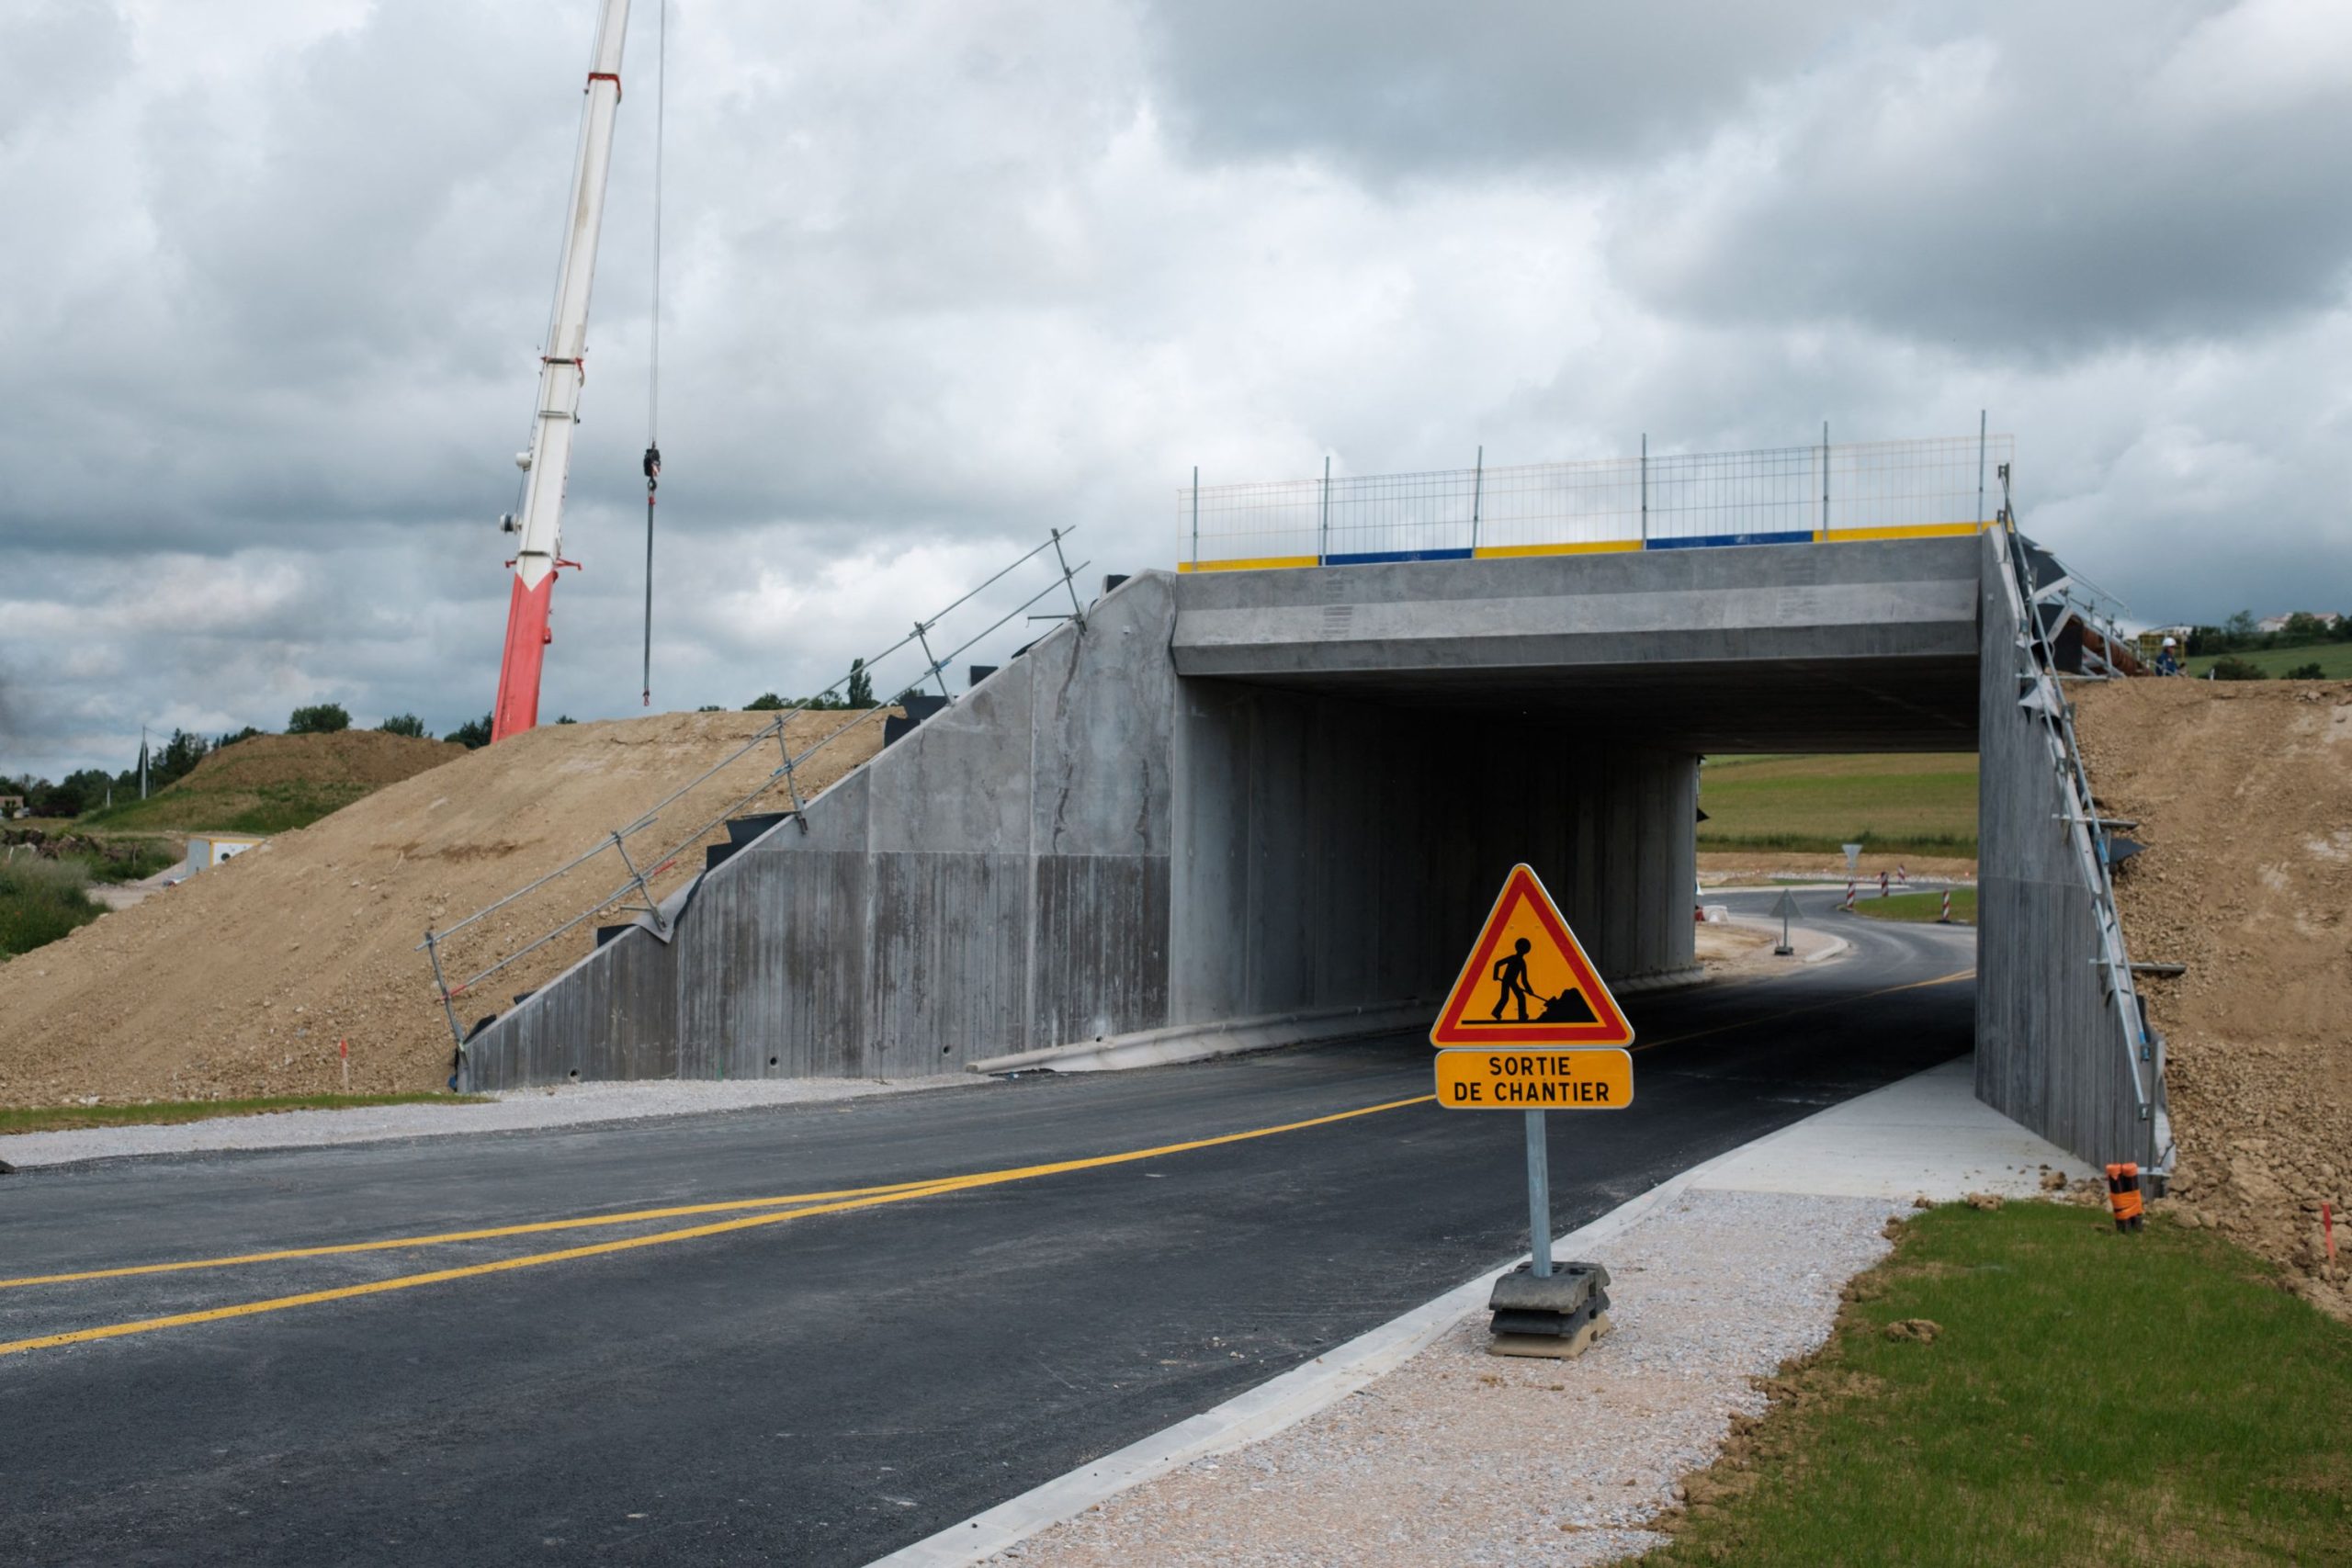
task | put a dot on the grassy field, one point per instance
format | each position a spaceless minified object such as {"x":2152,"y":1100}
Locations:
{"x":2334,"y":658}
{"x":41,"y":900}
{"x":1914,"y":803}
{"x":263,"y":808}
{"x":2087,"y":1398}
{"x":1917,"y":905}
{"x":56,"y":1118}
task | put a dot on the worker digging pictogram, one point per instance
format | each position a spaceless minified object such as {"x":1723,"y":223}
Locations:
{"x":1528,"y":981}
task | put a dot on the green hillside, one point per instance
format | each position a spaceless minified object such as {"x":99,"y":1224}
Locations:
{"x":2335,"y":659}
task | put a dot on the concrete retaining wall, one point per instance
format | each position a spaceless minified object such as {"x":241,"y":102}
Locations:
{"x":2050,"y":1046}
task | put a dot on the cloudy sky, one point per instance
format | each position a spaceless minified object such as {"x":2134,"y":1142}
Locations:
{"x":941,"y":275}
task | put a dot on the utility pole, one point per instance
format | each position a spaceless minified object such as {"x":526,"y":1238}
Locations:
{"x":142,"y":762}
{"x":547,"y":465}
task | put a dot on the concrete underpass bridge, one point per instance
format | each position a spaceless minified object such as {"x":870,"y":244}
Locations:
{"x":1284,"y":798}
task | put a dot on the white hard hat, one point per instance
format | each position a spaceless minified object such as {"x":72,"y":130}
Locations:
{"x":2169,"y":643}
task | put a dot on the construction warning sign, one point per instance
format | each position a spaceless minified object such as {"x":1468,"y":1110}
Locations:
{"x":1528,"y":981}
{"x":1595,"y":1078}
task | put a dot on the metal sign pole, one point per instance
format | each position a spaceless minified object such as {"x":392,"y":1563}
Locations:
{"x":1539,"y":1198}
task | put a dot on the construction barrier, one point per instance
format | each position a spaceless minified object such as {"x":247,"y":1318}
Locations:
{"x":2123,"y":1195}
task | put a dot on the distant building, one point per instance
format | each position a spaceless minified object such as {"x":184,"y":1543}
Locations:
{"x":207,"y":849}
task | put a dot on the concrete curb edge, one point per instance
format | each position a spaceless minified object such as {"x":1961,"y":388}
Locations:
{"x":1275,"y":1406}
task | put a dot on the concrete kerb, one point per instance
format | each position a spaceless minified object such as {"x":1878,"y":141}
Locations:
{"x":1284,"y":1401}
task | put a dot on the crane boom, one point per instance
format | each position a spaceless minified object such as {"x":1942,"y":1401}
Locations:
{"x":547,"y":465}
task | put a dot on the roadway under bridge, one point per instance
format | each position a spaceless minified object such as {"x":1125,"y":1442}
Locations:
{"x":1285,"y":798}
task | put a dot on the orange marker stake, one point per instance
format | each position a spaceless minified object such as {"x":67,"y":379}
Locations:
{"x":343,"y":1048}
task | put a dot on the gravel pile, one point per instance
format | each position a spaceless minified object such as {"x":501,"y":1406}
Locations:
{"x":519,"y":1111}
{"x":1463,"y":1458}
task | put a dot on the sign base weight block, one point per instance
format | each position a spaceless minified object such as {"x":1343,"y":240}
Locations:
{"x":1557,"y":1315}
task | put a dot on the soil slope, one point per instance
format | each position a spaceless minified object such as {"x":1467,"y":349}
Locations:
{"x":2244,"y":793}
{"x":240,"y":981}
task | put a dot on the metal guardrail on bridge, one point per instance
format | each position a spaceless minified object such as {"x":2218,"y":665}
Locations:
{"x":1668,"y":500}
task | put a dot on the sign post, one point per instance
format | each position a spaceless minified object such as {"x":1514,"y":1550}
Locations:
{"x":1786,"y":908}
{"x":1529,"y":1026}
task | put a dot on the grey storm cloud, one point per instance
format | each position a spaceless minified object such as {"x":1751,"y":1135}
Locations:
{"x":2044,"y":180}
{"x":939,"y":276}
{"x":1400,"y":88}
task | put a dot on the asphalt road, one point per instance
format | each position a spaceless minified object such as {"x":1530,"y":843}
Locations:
{"x":818,"y":1388}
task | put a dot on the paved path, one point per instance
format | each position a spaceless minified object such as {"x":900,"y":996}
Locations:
{"x":822,"y":1380}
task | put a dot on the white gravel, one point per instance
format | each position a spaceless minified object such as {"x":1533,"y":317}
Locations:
{"x":516,"y":1110}
{"x":1463,"y":1458}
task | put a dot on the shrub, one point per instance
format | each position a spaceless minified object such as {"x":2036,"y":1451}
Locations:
{"x":2230,"y":667}
{"x":318,"y":719}
{"x":41,"y":900}
{"x":473,"y":734}
{"x":767,"y":702}
{"x":406,"y":724}
{"x":2311,"y":671}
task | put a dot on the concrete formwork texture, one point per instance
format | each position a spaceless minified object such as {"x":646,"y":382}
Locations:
{"x":1228,"y":796}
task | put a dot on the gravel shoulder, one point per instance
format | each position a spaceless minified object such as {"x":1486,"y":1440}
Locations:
{"x":1461,"y":1457}
{"x":516,"y":1111}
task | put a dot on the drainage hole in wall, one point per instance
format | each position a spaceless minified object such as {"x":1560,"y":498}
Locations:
{"x":575,"y":1075}
{"x":770,"y":1061}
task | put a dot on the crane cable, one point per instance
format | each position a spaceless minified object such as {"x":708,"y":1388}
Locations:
{"x":653,"y":374}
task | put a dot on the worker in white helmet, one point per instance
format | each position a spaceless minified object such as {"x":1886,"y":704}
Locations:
{"x":2169,"y":657}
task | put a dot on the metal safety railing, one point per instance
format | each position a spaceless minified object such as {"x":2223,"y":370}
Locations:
{"x":1650,"y":502}
{"x":2043,"y":609}
{"x":638,"y":877}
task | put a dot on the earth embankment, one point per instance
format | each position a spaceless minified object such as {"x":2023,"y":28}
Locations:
{"x":2244,"y":796}
{"x":241,"y":981}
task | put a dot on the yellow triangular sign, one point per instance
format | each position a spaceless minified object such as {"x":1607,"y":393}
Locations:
{"x":1528,"y":981}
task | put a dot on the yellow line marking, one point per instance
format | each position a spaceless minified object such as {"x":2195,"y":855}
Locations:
{"x":1583,"y":548}
{"x":443,"y":1238}
{"x":1252,"y":563}
{"x":596,"y":1249}
{"x":1815,"y":1007}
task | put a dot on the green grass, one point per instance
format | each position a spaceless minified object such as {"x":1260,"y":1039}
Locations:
{"x":57,"y":1118}
{"x":2333,"y":657}
{"x":260,"y":808}
{"x":2091,"y":1398}
{"x":1916,"y":906}
{"x":1897,"y":804}
{"x":41,"y":900}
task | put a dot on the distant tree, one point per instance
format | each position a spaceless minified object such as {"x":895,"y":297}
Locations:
{"x":175,"y":759}
{"x":2230,"y":667}
{"x":2311,"y":672}
{"x":565,"y":718}
{"x":767,"y":702}
{"x":2240,"y":625}
{"x":318,"y":719}
{"x":710,"y":707}
{"x":472,"y":734}
{"x":406,"y":724}
{"x":861,"y":685}
{"x":2302,"y":627}
{"x":247,"y":733}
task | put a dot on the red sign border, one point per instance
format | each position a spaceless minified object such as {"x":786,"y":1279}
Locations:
{"x":1610,"y":1025}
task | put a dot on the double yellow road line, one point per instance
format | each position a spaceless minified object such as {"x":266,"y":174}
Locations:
{"x":748,"y":1213}
{"x":768,"y":1211}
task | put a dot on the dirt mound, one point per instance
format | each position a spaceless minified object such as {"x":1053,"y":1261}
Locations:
{"x":352,"y":756}
{"x":2243,"y":794}
{"x":240,"y":981}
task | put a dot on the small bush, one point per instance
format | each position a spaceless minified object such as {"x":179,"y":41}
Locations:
{"x":41,"y":900}
{"x":406,"y":724}
{"x":318,"y":719}
{"x":2230,"y":667}
{"x":473,"y":734}
{"x":2311,"y":672}
{"x":767,"y":702}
